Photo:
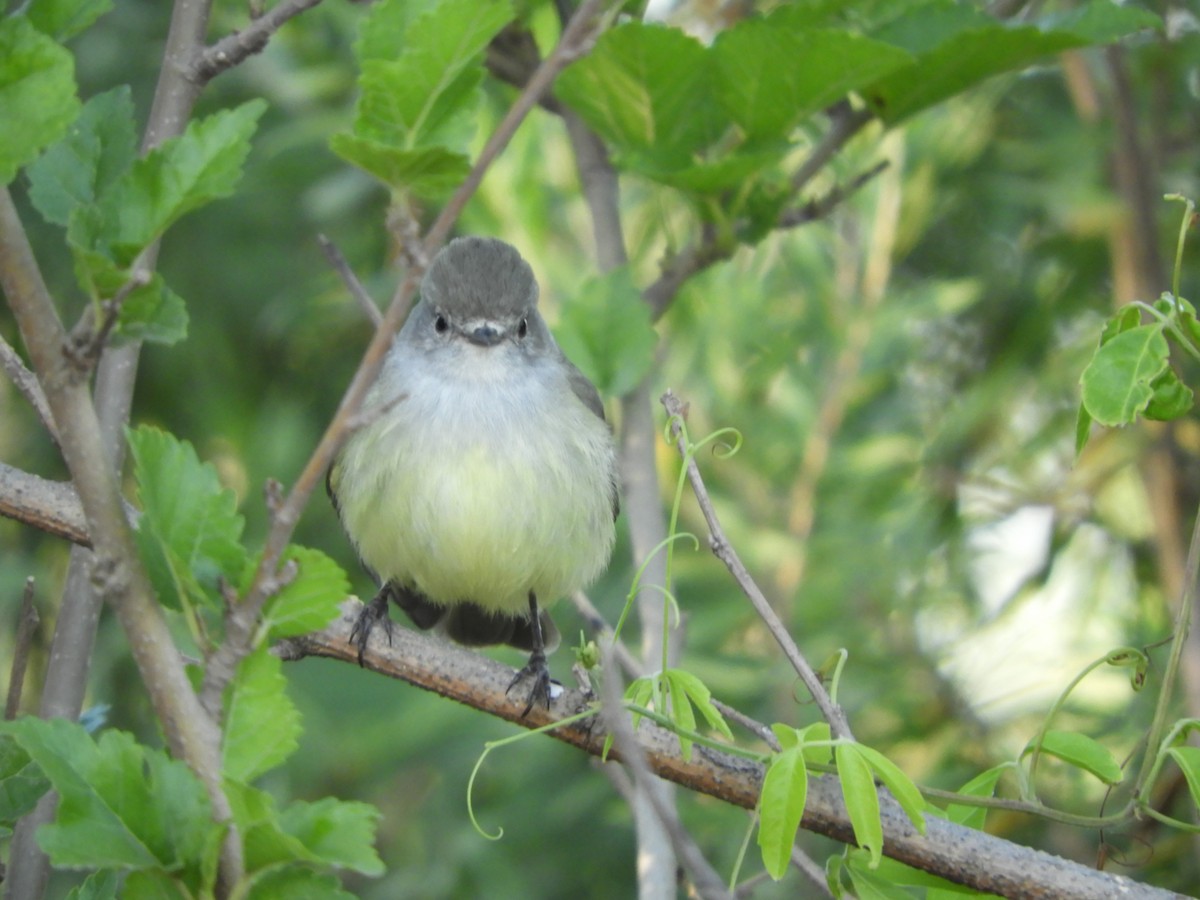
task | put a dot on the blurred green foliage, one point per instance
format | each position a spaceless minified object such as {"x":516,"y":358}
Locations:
{"x":905,"y":382}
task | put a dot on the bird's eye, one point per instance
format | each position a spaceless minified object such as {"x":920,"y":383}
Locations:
{"x":440,"y":324}
{"x":523,"y":328}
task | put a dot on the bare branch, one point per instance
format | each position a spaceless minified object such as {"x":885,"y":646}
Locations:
{"x":26,"y":382}
{"x":962,"y":855}
{"x":239,"y":46}
{"x":705,"y":880}
{"x":353,"y":285}
{"x":51,"y":506}
{"x":723,"y":550}
{"x":27,"y":622}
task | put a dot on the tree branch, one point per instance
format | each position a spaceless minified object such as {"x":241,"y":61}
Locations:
{"x":959,"y":854}
{"x":724,"y":551}
{"x":236,"y":48}
{"x":117,"y":573}
{"x":26,"y":382}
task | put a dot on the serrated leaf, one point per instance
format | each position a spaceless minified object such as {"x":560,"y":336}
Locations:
{"x":649,"y":90}
{"x":336,"y":832}
{"x":153,"y":313}
{"x":382,"y":32}
{"x":605,"y":330}
{"x":773,"y":72}
{"x":861,"y":798}
{"x":37,"y":93}
{"x":178,"y":176}
{"x":63,"y":19}
{"x":1083,"y":752}
{"x":296,"y":881}
{"x":190,"y":529}
{"x":262,"y":726}
{"x":958,"y":48}
{"x":901,"y":786}
{"x":120,"y":804}
{"x":310,"y":601}
{"x":22,"y":783}
{"x":426,"y":95}
{"x":1188,"y":760}
{"x":1116,"y":383}
{"x":780,"y":809}
{"x":98,"y":149}
{"x":102,"y":885}
{"x":425,"y":171}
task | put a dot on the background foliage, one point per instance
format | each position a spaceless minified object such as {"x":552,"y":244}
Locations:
{"x":905,"y":373}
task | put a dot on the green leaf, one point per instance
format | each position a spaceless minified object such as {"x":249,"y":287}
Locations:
{"x":309,"y":601}
{"x":63,"y":19}
{"x":1083,"y":429}
{"x":22,"y":783}
{"x":649,"y":90}
{"x":37,"y":93}
{"x":982,"y":785}
{"x":383,"y":30}
{"x":780,"y":809}
{"x":336,"y":832}
{"x":1188,"y":760}
{"x":329,"y":832}
{"x":424,"y":98}
{"x":773,"y":72}
{"x":262,"y":726}
{"x":1082,"y":752}
{"x":98,"y":149}
{"x":870,"y":885}
{"x":901,"y":786}
{"x":1116,"y":383}
{"x":1172,"y":398}
{"x":190,"y":529}
{"x":178,"y":176}
{"x":957,"y":48}
{"x":862,"y":799}
{"x":425,"y":171}
{"x":605,"y":330}
{"x":296,"y":881}
{"x":102,"y":885}
{"x":153,"y":313}
{"x":121,"y":805}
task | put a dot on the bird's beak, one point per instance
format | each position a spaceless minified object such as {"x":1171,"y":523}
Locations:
{"x":484,"y":335}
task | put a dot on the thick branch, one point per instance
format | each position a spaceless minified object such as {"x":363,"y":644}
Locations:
{"x":117,"y":573}
{"x":51,"y":506}
{"x":962,"y":855}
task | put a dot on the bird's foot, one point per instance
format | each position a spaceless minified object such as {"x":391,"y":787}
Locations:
{"x":539,"y":691}
{"x":373,"y":613}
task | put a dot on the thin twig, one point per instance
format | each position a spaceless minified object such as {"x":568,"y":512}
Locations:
{"x":27,"y":623}
{"x":26,"y":382}
{"x":821,"y":207}
{"x":597,"y":623}
{"x":237,"y":47}
{"x":353,"y":285}
{"x":87,"y":339}
{"x":724,"y":551}
{"x":705,"y":880}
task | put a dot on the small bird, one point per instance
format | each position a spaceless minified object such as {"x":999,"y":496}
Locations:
{"x":484,"y":488}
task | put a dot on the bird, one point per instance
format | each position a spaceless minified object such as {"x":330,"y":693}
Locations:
{"x":482,"y":486}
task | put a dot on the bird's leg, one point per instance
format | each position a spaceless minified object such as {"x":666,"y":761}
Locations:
{"x":374,"y":612}
{"x":536,"y":667}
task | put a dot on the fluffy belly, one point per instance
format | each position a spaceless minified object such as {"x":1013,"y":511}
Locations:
{"x":484,"y":520}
